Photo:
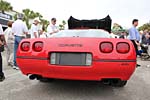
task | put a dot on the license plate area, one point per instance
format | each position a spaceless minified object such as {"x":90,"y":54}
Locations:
{"x":71,"y":59}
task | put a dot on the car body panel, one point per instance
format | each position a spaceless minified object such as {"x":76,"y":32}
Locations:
{"x":104,"y":65}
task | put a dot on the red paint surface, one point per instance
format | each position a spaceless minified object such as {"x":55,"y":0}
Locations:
{"x":97,"y":71}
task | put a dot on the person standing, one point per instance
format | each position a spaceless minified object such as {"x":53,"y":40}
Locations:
{"x":19,"y":30}
{"x":2,"y":40}
{"x":144,"y":35}
{"x":134,"y":36}
{"x":34,"y":31}
{"x":52,"y":29}
{"x":10,"y":43}
{"x":43,"y":33}
{"x":141,"y":35}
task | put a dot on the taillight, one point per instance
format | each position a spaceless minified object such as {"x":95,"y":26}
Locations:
{"x":38,"y":46}
{"x":106,"y":47}
{"x":122,"y":47}
{"x":25,"y":46}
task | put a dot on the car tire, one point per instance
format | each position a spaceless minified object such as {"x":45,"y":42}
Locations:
{"x":46,"y":80}
{"x":118,"y":83}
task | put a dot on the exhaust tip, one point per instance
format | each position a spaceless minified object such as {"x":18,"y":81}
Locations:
{"x":106,"y":81}
{"x":32,"y":77}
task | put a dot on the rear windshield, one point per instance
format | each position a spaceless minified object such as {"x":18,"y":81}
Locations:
{"x":82,"y":33}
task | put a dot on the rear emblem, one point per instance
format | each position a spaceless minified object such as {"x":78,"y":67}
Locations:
{"x":70,"y":45}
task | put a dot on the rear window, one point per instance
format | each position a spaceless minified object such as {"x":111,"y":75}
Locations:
{"x":82,"y":33}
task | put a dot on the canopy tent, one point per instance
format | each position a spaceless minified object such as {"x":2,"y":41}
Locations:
{"x":104,"y":23}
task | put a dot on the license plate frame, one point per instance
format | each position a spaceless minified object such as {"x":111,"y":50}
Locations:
{"x":70,"y":59}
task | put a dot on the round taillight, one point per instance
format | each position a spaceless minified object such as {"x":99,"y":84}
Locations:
{"x":106,"y":47}
{"x":25,"y":46}
{"x":38,"y":46}
{"x":123,"y":47}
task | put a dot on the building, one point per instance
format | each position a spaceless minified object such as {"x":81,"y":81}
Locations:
{"x":5,"y":17}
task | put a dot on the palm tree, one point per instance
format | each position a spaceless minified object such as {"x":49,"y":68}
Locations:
{"x":26,"y":18}
{"x":15,"y":17}
{"x":44,"y":23}
{"x":5,"y":6}
{"x":62,"y":26}
{"x":117,"y":28}
{"x":30,"y":14}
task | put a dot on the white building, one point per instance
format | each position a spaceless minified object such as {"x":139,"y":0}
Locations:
{"x":5,"y":17}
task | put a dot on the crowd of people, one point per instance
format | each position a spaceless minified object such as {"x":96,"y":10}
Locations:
{"x":18,"y":30}
{"x":140,"y":39}
{"x":37,"y":32}
{"x":145,"y":41}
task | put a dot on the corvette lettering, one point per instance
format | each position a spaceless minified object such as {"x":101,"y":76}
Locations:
{"x":70,"y":45}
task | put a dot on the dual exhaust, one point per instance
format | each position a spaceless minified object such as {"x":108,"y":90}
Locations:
{"x":110,"y":81}
{"x":104,"y":81}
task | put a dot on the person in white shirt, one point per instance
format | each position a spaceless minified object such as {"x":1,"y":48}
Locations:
{"x":19,"y":30}
{"x":34,"y":31}
{"x":9,"y":43}
{"x":2,"y":38}
{"x":43,"y":33}
{"x":52,"y":29}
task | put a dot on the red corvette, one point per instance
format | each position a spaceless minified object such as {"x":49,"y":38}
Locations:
{"x":84,"y":53}
{"x":88,"y":54}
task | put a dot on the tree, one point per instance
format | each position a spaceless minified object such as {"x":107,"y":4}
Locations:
{"x":117,"y":29}
{"x":62,"y":25}
{"x":145,"y":27}
{"x":15,"y":17}
{"x":5,"y":6}
{"x":26,"y":18}
{"x":44,"y":22}
{"x":38,"y":15}
{"x":30,"y":14}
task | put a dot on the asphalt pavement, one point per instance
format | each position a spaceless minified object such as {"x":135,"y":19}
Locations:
{"x":19,"y":87}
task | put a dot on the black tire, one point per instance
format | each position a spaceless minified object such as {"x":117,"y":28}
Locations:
{"x":118,"y":83}
{"x":46,"y":80}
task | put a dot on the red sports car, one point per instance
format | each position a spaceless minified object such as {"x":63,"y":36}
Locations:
{"x":87,"y":54}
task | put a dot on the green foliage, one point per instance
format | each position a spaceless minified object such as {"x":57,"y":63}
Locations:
{"x":15,"y":17}
{"x":62,"y":25}
{"x":145,"y":27}
{"x":30,"y":14}
{"x":44,"y":23}
{"x":117,"y":29}
{"x":5,"y":6}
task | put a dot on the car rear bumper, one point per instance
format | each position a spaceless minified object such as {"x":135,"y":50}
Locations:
{"x":100,"y":69}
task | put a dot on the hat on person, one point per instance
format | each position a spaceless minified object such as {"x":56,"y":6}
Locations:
{"x":20,"y":16}
{"x":141,"y":31}
{"x":37,"y":19}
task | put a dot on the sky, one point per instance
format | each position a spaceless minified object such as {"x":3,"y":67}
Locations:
{"x":121,"y":11}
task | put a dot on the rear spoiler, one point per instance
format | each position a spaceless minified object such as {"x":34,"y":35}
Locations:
{"x":104,"y":23}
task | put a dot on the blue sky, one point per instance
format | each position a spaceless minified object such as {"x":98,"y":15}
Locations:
{"x":121,"y":11}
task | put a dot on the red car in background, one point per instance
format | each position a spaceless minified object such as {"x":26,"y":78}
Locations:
{"x":79,"y":54}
